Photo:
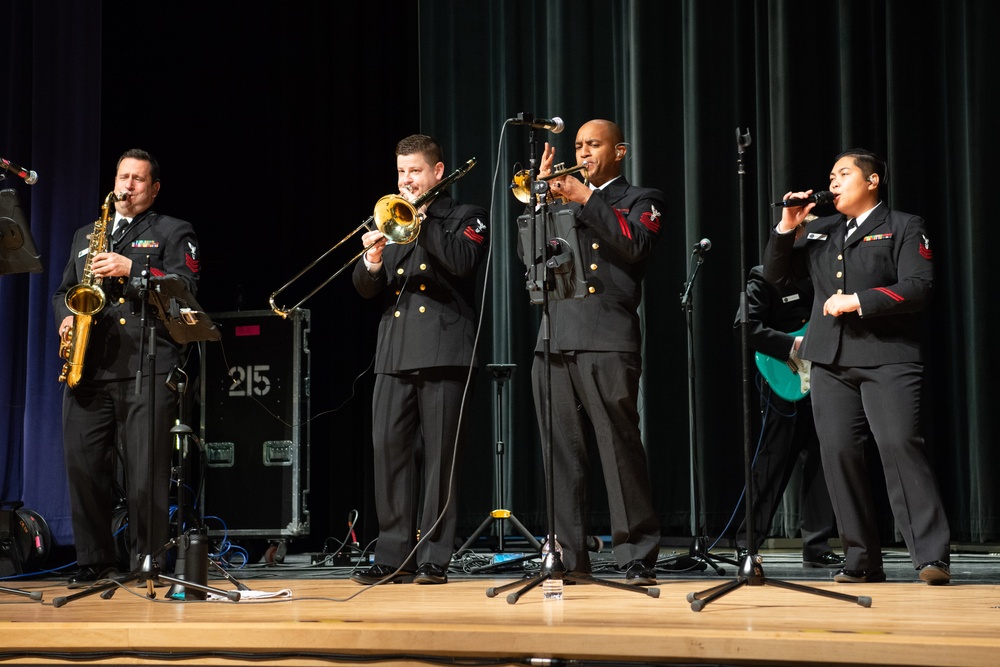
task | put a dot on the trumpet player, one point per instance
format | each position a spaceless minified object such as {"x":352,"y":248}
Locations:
{"x":595,"y":356}
{"x":423,"y":368}
{"x":105,"y":415}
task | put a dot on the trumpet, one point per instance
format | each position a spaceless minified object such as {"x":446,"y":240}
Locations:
{"x":520,"y":188}
{"x":394,"y":215}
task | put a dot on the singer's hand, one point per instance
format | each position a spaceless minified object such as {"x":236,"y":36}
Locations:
{"x":794,"y":216}
{"x":838,"y":304}
{"x":110,"y":264}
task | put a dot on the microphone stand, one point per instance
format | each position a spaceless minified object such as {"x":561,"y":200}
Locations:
{"x":552,"y":567}
{"x":699,"y":552}
{"x":751,"y":571}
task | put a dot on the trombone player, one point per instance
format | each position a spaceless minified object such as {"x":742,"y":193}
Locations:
{"x":423,"y":362}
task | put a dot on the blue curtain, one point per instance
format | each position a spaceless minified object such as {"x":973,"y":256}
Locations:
{"x":53,"y":110}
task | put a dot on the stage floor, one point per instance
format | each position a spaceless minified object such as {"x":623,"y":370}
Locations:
{"x":314,"y":615}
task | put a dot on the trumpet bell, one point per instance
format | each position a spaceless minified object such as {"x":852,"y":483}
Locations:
{"x":397,"y":219}
{"x":520,"y":187}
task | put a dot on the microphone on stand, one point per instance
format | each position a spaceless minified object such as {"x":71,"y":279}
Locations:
{"x":821,"y":197}
{"x":30,"y":177}
{"x":555,"y":124}
{"x":703,"y":245}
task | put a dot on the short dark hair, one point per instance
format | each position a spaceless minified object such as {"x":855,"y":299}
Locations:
{"x":139,"y":154}
{"x":421,"y":143}
{"x":869,"y":163}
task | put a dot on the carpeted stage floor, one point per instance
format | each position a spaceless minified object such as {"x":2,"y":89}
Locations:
{"x":303,"y":613}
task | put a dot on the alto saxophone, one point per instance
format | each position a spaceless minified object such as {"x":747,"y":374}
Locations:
{"x":85,"y":299}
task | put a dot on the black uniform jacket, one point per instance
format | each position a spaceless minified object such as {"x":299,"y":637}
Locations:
{"x":113,"y":351}
{"x":428,"y":287}
{"x":887,"y":262}
{"x":775,"y":312}
{"x":617,"y":230}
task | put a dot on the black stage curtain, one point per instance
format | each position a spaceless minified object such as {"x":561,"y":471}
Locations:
{"x":275,"y":125}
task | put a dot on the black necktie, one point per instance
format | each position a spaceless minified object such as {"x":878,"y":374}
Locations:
{"x":118,"y":231}
{"x":852,"y":224}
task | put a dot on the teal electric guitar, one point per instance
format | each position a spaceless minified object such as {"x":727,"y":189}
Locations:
{"x":788,"y":379}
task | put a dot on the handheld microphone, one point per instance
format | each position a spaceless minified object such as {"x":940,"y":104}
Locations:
{"x":703,"y":245}
{"x":555,"y":124}
{"x":821,"y":197}
{"x":30,"y":177}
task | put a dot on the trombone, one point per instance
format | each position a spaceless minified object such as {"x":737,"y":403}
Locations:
{"x":395,"y":216}
{"x":520,"y":187}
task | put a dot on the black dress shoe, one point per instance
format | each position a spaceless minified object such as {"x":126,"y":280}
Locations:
{"x":845,"y":576}
{"x":88,"y":574}
{"x":379,"y":571}
{"x":637,"y":573}
{"x":829,"y":559}
{"x":935,"y":573}
{"x":431,"y":573}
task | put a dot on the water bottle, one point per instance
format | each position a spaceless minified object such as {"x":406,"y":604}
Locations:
{"x":552,"y":589}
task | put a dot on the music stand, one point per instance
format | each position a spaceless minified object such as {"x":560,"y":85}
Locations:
{"x":186,"y":322}
{"x":544,"y":255}
{"x":17,"y":248}
{"x":751,"y":570}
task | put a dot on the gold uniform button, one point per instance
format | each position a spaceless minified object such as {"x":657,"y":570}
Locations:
{"x":840,"y":291}
{"x":840,"y":257}
{"x":593,"y":267}
{"x":399,"y":271}
{"x":596,"y":245}
{"x":121,"y":299}
{"x":423,"y":287}
{"x":396,"y":313}
{"x":840,"y":274}
{"x":121,"y":321}
{"x":591,"y":290}
{"x":397,"y":292}
{"x":423,"y":267}
{"x":422,"y":309}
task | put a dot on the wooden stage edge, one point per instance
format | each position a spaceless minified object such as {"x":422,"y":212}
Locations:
{"x":336,"y":622}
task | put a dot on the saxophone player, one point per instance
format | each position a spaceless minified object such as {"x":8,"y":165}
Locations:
{"x":105,"y":416}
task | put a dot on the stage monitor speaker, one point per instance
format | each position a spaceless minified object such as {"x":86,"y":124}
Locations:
{"x":254,"y":417}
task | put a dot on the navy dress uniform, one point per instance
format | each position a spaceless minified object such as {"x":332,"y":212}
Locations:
{"x":425,"y":350}
{"x":105,"y":412}
{"x":595,"y":366}
{"x":867,"y":371}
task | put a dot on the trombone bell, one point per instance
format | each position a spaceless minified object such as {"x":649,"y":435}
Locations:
{"x":397,"y":219}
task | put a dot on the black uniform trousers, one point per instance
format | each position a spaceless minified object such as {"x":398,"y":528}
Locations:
{"x":416,"y":431}
{"x":788,"y":438}
{"x":98,"y":418}
{"x":601,"y":387}
{"x":849,"y":400}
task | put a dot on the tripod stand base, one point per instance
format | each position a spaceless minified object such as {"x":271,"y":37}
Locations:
{"x":149,"y":574}
{"x":752,"y":574}
{"x":500,"y":515}
{"x":698,"y":558}
{"x":34,"y":595}
{"x":552,"y":568}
